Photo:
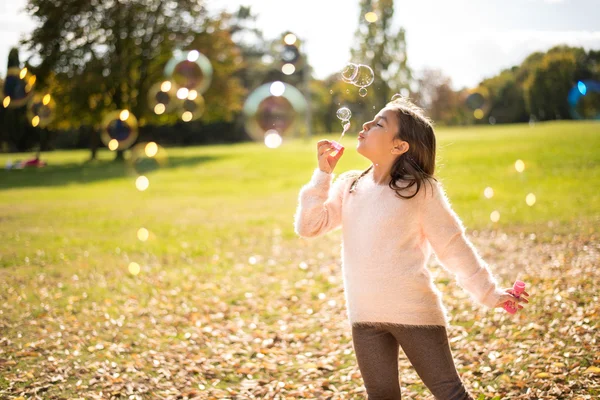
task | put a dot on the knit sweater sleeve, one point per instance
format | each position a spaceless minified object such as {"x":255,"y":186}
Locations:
{"x":446,"y":234}
{"x":320,"y":204}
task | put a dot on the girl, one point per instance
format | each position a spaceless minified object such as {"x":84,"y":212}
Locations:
{"x":394,"y":215}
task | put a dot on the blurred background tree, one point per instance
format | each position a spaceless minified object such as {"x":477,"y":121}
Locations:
{"x":381,"y":47}
{"x":105,"y":55}
{"x":98,"y":56}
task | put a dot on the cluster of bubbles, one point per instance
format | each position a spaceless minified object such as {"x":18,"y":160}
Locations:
{"x":359,"y":75}
{"x":488,"y":192}
{"x":17,"y":92}
{"x":188,"y":76}
{"x":272,"y":111}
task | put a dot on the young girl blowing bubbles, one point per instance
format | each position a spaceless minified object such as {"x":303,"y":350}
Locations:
{"x":393,"y":215}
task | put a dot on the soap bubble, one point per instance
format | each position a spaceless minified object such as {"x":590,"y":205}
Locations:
{"x":192,"y":107}
{"x":17,"y":88}
{"x":191,"y":70}
{"x":477,"y":100}
{"x":362,"y":92}
{"x":273,"y":106}
{"x":397,"y":96}
{"x":349,"y":73}
{"x":161,"y":97}
{"x":40,"y":110}
{"x":364,"y":76}
{"x":584,"y":100}
{"x":122,"y":126}
{"x":147,"y":157}
{"x":344,"y":114}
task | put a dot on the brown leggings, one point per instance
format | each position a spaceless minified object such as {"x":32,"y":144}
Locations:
{"x":427,"y":349}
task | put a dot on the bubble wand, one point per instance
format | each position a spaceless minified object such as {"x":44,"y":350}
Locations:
{"x":518,"y":288}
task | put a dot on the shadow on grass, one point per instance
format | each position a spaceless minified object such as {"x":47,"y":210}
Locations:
{"x":86,"y":172}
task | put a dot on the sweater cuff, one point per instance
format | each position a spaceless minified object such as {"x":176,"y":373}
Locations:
{"x":492,"y":299}
{"x":320,"y":178}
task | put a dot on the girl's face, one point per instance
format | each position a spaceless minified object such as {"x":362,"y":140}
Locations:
{"x":377,"y":138}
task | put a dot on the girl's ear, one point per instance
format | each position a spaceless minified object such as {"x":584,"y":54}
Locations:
{"x":400,"y":147}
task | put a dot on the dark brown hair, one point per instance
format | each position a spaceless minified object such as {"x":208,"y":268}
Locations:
{"x":417,"y":165}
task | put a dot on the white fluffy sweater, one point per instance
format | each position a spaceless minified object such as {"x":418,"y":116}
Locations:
{"x":387,"y":242}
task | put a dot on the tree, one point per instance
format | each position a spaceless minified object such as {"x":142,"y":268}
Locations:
{"x":506,"y":98}
{"x":105,"y":55}
{"x":384,"y":50}
{"x":547,"y":88}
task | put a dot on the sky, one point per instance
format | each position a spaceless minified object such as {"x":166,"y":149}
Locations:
{"x":468,"y":40}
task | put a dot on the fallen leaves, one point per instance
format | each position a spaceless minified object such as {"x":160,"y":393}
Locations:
{"x":268,"y":321}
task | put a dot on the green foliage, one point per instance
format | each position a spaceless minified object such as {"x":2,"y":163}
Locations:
{"x":100,"y":56}
{"x":537,"y":89}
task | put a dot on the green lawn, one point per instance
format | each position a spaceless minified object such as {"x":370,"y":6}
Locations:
{"x":229,"y":298}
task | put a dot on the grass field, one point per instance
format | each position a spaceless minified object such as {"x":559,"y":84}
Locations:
{"x":229,"y":303}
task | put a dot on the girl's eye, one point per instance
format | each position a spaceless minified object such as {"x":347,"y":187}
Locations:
{"x":381,"y":126}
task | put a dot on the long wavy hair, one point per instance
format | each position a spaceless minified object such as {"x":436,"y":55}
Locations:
{"x":417,"y":165}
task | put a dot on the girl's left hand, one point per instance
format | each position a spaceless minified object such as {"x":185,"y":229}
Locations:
{"x":512,"y":298}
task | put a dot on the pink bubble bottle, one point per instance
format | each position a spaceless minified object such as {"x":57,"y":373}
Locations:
{"x":518,"y":288}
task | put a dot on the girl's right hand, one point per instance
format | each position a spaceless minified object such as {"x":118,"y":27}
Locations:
{"x":327,"y":162}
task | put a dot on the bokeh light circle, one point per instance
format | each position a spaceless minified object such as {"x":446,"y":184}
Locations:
{"x":143,"y":234}
{"x":584,"y":100}
{"x":495,"y":216}
{"x":122,"y":126}
{"x":41,"y":110}
{"x":519,"y":166}
{"x":134,"y":268}
{"x":273,"y":106}
{"x":17,"y":88}
{"x":530,"y":199}
{"x":142,"y":183}
{"x":273,"y":139}
{"x":371,"y":17}
{"x":191,"y":70}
